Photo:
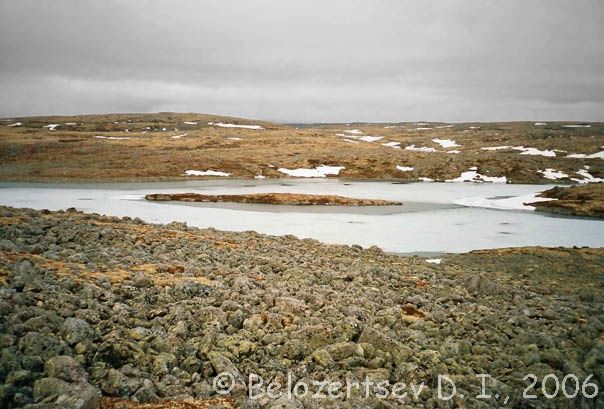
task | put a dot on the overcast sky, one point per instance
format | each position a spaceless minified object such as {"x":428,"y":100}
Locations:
{"x":306,"y":60}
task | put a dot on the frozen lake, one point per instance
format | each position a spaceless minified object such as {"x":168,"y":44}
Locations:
{"x":435,"y":217}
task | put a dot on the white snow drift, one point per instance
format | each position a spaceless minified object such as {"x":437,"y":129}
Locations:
{"x":553,"y":174}
{"x":223,"y":125}
{"x":472,"y":175}
{"x":446,"y":143}
{"x":318,"y":172}
{"x":208,"y":172}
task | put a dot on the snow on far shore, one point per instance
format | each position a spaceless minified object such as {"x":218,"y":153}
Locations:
{"x":534,"y":151}
{"x":404,"y":168}
{"x":318,"y":172}
{"x":472,"y":175}
{"x":234,"y":138}
{"x":522,"y":149}
{"x":394,"y":145}
{"x":368,"y":138}
{"x":179,"y":136}
{"x":420,"y":148}
{"x":552,"y":174}
{"x":51,"y":127}
{"x":115,"y":138}
{"x":597,"y":155}
{"x":354,"y":131}
{"x":223,"y":125}
{"x":16,"y":124}
{"x":577,"y":126}
{"x":259,"y":177}
{"x":540,"y":123}
{"x":446,"y":143}
{"x":434,"y":260}
{"x":349,"y":140}
{"x":587,"y":177}
{"x":208,"y":172}
{"x":190,"y":122}
{"x":423,"y":179}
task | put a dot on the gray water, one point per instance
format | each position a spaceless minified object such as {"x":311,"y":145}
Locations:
{"x":435,"y":217}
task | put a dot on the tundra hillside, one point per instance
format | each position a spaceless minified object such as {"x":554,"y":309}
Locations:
{"x":165,"y":146}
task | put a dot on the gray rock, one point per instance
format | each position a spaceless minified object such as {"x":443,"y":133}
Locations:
{"x":480,"y":284}
{"x":65,"y":368}
{"x":76,"y":330}
{"x":146,"y":393}
{"x":7,"y":245}
{"x":43,"y":346}
{"x":66,"y":395}
{"x":118,"y":384}
{"x":142,"y":280}
{"x":163,"y":363}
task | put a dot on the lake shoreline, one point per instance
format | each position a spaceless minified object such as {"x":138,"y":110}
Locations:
{"x":431,"y":219}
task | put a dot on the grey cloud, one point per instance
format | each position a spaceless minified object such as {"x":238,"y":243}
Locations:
{"x":306,"y":60}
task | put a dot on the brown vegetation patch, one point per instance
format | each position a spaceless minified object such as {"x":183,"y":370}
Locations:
{"x":218,"y":403}
{"x":33,"y":153}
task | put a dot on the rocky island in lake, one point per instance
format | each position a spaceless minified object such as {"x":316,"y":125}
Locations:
{"x":295,"y":199}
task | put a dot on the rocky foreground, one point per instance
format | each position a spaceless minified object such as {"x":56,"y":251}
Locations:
{"x":105,"y":311}
{"x":294,"y":199}
{"x":587,"y":201}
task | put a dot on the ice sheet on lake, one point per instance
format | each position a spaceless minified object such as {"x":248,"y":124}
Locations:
{"x":505,"y":203}
{"x":430,"y":229}
{"x":318,"y":172}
